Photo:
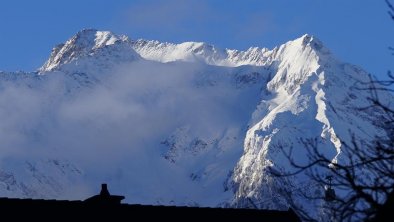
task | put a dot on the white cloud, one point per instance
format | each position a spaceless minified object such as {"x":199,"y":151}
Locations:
{"x":113,"y":130}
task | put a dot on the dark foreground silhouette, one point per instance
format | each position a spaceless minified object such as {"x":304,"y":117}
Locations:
{"x":106,"y":207}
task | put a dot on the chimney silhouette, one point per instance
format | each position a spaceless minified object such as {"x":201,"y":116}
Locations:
{"x":104,"y":190}
{"x":104,"y":197}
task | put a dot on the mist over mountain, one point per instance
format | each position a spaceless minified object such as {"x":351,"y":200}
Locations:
{"x":177,"y":124}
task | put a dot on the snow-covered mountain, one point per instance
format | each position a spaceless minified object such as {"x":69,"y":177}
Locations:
{"x":184,"y":124}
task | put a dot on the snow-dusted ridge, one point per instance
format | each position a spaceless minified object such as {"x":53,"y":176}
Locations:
{"x":184,"y":124}
{"x":199,"y":51}
{"x":90,"y":42}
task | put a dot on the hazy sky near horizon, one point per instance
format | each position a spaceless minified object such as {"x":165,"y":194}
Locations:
{"x":358,"y":32}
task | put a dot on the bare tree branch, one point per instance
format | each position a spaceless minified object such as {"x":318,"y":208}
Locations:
{"x":391,"y":9}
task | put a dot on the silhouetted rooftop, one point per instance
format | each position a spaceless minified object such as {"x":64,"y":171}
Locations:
{"x":97,"y":208}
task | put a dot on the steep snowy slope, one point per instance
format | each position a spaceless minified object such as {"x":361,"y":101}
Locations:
{"x":312,"y":96}
{"x":184,"y":124}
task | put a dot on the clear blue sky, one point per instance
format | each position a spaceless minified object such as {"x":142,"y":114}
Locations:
{"x":358,"y":32}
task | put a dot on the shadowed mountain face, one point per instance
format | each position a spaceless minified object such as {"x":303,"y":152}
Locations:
{"x":177,"y":124}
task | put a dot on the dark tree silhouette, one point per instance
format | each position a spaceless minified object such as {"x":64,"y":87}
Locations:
{"x":391,"y":9}
{"x":361,"y":185}
{"x":357,"y":186}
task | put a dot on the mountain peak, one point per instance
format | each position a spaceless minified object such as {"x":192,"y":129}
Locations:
{"x":313,"y":42}
{"x":85,"y":33}
{"x":93,"y":38}
{"x":86,"y":42}
{"x":307,"y":38}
